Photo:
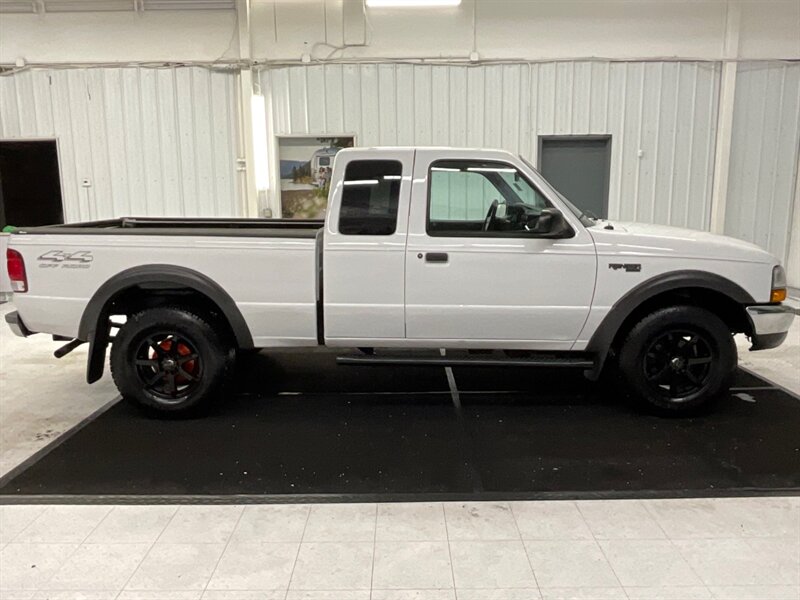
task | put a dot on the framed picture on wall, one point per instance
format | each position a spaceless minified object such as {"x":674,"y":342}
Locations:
{"x":305,"y":172}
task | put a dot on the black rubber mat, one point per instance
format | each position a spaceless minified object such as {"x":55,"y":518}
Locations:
{"x":299,"y":426}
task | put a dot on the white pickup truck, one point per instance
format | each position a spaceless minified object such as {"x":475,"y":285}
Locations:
{"x":466,"y":257}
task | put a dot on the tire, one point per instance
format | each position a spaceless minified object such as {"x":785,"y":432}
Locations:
{"x":678,"y":360}
{"x":170,"y":361}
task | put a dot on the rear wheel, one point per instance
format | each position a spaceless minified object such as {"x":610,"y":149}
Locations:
{"x":170,"y":360}
{"x":678,"y":360}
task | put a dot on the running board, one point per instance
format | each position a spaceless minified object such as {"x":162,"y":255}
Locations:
{"x":448,"y":361}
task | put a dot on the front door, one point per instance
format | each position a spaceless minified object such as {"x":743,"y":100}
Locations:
{"x":478,"y":276}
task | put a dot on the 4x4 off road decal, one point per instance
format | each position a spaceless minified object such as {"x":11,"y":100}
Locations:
{"x":55,"y":259}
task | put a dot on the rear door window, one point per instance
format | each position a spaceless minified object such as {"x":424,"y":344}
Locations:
{"x":370,"y":197}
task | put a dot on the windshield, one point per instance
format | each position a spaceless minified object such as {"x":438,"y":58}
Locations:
{"x":585,"y":219}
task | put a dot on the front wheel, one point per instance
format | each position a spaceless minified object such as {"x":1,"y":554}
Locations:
{"x":679,"y":359}
{"x":170,"y":360}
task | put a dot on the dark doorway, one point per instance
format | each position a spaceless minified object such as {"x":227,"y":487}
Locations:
{"x":30,"y":184}
{"x":578,"y":167}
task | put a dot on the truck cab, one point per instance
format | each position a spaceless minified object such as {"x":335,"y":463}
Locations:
{"x":452,"y":248}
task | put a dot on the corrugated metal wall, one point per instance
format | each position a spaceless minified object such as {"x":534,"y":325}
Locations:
{"x":661,"y":116}
{"x":764,"y":156}
{"x":153,"y":142}
{"x":163,"y":141}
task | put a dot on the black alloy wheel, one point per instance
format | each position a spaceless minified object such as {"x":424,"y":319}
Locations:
{"x":678,"y":360}
{"x":172,"y":360}
{"x":678,"y":364}
{"x":169,"y":366}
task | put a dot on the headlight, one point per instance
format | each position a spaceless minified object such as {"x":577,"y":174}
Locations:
{"x":778,"y":293}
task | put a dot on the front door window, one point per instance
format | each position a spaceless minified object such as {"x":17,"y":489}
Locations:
{"x":478,"y":198}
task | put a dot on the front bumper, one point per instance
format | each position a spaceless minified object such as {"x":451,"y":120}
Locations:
{"x":17,"y":325}
{"x":770,"y":323}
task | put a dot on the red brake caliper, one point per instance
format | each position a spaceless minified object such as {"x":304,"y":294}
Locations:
{"x":190,"y":366}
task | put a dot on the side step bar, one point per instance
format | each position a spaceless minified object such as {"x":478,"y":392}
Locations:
{"x":478,"y":361}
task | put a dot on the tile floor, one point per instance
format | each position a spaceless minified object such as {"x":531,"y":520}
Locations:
{"x":38,"y":392}
{"x":737,"y":549}
{"x":631,"y":549}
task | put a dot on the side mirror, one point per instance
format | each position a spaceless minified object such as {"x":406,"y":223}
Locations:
{"x":551,"y":224}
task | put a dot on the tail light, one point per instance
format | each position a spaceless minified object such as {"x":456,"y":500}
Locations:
{"x":16,"y":271}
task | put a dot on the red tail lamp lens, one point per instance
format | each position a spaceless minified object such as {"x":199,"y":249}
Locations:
{"x":16,"y":271}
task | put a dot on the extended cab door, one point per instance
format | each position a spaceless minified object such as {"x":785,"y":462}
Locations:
{"x":364,"y":247}
{"x":480,"y":276}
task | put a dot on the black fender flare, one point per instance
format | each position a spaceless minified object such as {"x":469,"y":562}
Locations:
{"x":153,"y":277}
{"x":601,"y":340}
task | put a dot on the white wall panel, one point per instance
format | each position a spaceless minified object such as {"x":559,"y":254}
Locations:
{"x":152,"y":142}
{"x":665,"y":110}
{"x":764,"y":156}
{"x":501,"y":29}
{"x":528,"y":29}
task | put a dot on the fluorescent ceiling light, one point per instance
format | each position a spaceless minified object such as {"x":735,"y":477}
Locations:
{"x":407,"y":3}
{"x":258,"y":110}
{"x":362,"y":182}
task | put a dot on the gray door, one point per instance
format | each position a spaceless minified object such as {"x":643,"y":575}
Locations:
{"x":578,"y":167}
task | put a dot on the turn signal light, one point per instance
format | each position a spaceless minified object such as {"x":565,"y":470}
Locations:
{"x":778,"y":295}
{"x":16,"y":271}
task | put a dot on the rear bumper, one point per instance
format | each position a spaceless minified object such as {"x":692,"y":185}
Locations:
{"x":770,"y":325}
{"x":17,"y":325}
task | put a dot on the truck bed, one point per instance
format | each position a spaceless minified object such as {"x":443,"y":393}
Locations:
{"x":268,"y":268}
{"x":199,"y":226}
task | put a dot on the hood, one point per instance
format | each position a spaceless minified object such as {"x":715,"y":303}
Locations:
{"x":676,"y":242}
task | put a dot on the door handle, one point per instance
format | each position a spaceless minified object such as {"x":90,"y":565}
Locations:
{"x":437,"y":257}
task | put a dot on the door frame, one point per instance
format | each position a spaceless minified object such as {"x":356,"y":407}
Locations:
{"x":58,"y":160}
{"x":607,"y":137}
